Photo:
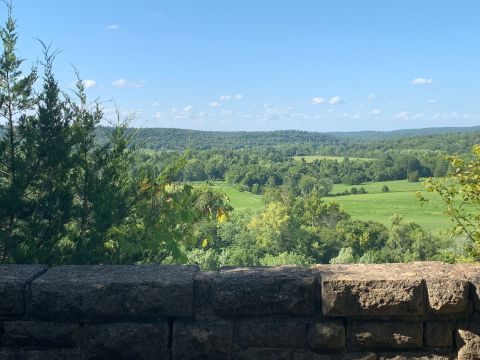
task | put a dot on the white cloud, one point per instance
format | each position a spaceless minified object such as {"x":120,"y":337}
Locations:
{"x":432,"y":101}
{"x":331,"y":110}
{"x":317,"y":100}
{"x":113,"y":27}
{"x":215,"y":104}
{"x":371,"y":96}
{"x":122,"y":83}
{"x":89,"y":84}
{"x":185,"y":113}
{"x":421,"y":81}
{"x":376,"y":111}
{"x":156,"y":103}
{"x":405,"y":115}
{"x":231,"y":97}
{"x":336,"y":100}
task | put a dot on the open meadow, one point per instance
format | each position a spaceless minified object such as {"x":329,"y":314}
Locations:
{"x":374,"y":205}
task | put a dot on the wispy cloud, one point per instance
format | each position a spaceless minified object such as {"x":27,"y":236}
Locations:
{"x":113,"y":27}
{"x":421,"y":81}
{"x":122,"y":83}
{"x":336,"y":100}
{"x":317,"y":100}
{"x":89,"y":84}
{"x":376,"y":111}
{"x":432,"y":101}
{"x":215,"y":104}
{"x":231,"y":97}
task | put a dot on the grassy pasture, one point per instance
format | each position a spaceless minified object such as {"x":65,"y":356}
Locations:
{"x":379,"y":206}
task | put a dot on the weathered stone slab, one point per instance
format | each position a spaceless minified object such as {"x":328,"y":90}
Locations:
{"x":326,"y":335}
{"x":13,"y":280}
{"x":361,"y":290}
{"x":468,"y":341}
{"x":74,"y":354}
{"x":264,"y":291}
{"x":438,"y":334}
{"x":447,"y":290}
{"x":202,"y":340}
{"x":127,"y":341}
{"x":418,"y":356}
{"x":368,"y":335}
{"x":308,"y":355}
{"x":41,"y":334}
{"x":109,"y":293}
{"x":272,"y":334}
{"x":203,"y":291}
{"x":471,"y":273}
{"x":264,"y":354}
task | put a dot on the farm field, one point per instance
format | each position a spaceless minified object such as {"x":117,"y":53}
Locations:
{"x":239,"y":199}
{"x":380,"y":206}
{"x":312,"y":158}
{"x":375,"y":205}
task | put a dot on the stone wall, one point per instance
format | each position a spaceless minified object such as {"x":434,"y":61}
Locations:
{"x":361,"y":312}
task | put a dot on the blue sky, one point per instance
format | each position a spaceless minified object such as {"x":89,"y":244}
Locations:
{"x":265,"y":65}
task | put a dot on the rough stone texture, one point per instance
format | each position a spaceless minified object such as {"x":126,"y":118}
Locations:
{"x":127,"y":341}
{"x":471,"y":272}
{"x":264,"y":354}
{"x":41,"y":334}
{"x":13,"y":281}
{"x":202,"y":288}
{"x":418,"y":356}
{"x":264,"y":291}
{"x":468,"y":341}
{"x":106,"y":293}
{"x":41,"y":355}
{"x":308,"y":355}
{"x":272,"y":334}
{"x":202,"y":340}
{"x":370,"y":290}
{"x":326,"y":335}
{"x":386,"y":335}
{"x":438,"y":334}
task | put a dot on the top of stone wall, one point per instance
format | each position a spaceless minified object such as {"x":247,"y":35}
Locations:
{"x":420,"y":290}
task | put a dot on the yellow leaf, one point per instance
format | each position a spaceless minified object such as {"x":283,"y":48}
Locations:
{"x":204,"y":243}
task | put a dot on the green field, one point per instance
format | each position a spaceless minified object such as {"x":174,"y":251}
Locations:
{"x":312,"y":158}
{"x":375,"y":205}
{"x":379,"y":206}
{"x":239,"y":199}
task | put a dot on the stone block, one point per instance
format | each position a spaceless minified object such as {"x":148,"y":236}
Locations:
{"x":467,"y":339}
{"x":264,"y":354}
{"x":272,"y":334}
{"x":370,"y":291}
{"x":13,"y":281}
{"x":127,"y":341}
{"x":202,"y":299}
{"x":394,"y":335}
{"x":41,"y":334}
{"x":264,"y":291}
{"x":71,"y":354}
{"x":438,"y":334}
{"x":202,"y":340}
{"x":308,"y":355}
{"x":326,"y":335}
{"x":414,"y":356}
{"x":110,"y":293}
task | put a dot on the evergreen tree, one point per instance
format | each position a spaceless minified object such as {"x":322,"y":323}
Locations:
{"x":16,"y":99}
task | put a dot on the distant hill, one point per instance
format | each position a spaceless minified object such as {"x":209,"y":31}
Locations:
{"x":380,"y":135}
